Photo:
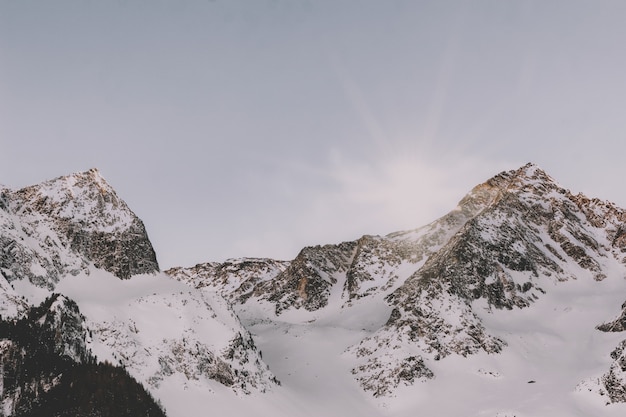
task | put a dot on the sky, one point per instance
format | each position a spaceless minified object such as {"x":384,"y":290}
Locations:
{"x":254,"y":128}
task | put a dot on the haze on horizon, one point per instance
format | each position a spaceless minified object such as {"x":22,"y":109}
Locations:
{"x":239,"y":128}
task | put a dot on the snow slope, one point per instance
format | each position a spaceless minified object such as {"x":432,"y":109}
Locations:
{"x":159,"y":329}
{"x":554,"y":343}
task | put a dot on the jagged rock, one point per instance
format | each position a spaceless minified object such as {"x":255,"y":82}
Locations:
{"x":617,"y":325}
{"x":234,"y":279}
{"x":612,"y":384}
{"x":378,"y":263}
{"x":308,"y":280}
{"x":376,"y":378}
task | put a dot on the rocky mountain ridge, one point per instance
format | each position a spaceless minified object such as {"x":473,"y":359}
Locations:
{"x":457,"y":300}
{"x":508,"y":241}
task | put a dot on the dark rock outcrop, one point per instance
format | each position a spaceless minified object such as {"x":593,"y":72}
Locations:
{"x":617,"y":325}
{"x":308,"y":280}
{"x":613,"y":383}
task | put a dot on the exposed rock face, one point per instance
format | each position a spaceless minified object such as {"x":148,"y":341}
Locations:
{"x":378,"y":377}
{"x":617,"y":325}
{"x":308,"y":280}
{"x":381,"y":263}
{"x":61,"y":226}
{"x":239,"y":367}
{"x":614,"y":381}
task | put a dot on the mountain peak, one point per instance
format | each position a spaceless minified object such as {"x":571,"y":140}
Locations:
{"x":529,"y":179}
{"x":529,"y":168}
{"x":523,"y":178}
{"x":90,"y":179}
{"x":84,"y":197}
{"x":92,"y":174}
{"x":532,"y":173}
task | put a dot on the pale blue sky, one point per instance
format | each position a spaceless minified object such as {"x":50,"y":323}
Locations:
{"x":253,"y":128}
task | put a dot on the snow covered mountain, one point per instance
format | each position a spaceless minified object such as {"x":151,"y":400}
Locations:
{"x":512,"y":304}
{"x":63,"y":226}
{"x":532,"y":235}
{"x":519,"y":276}
{"x":74,"y":236}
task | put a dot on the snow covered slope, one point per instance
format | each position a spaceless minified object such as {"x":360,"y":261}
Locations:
{"x":158,"y":328}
